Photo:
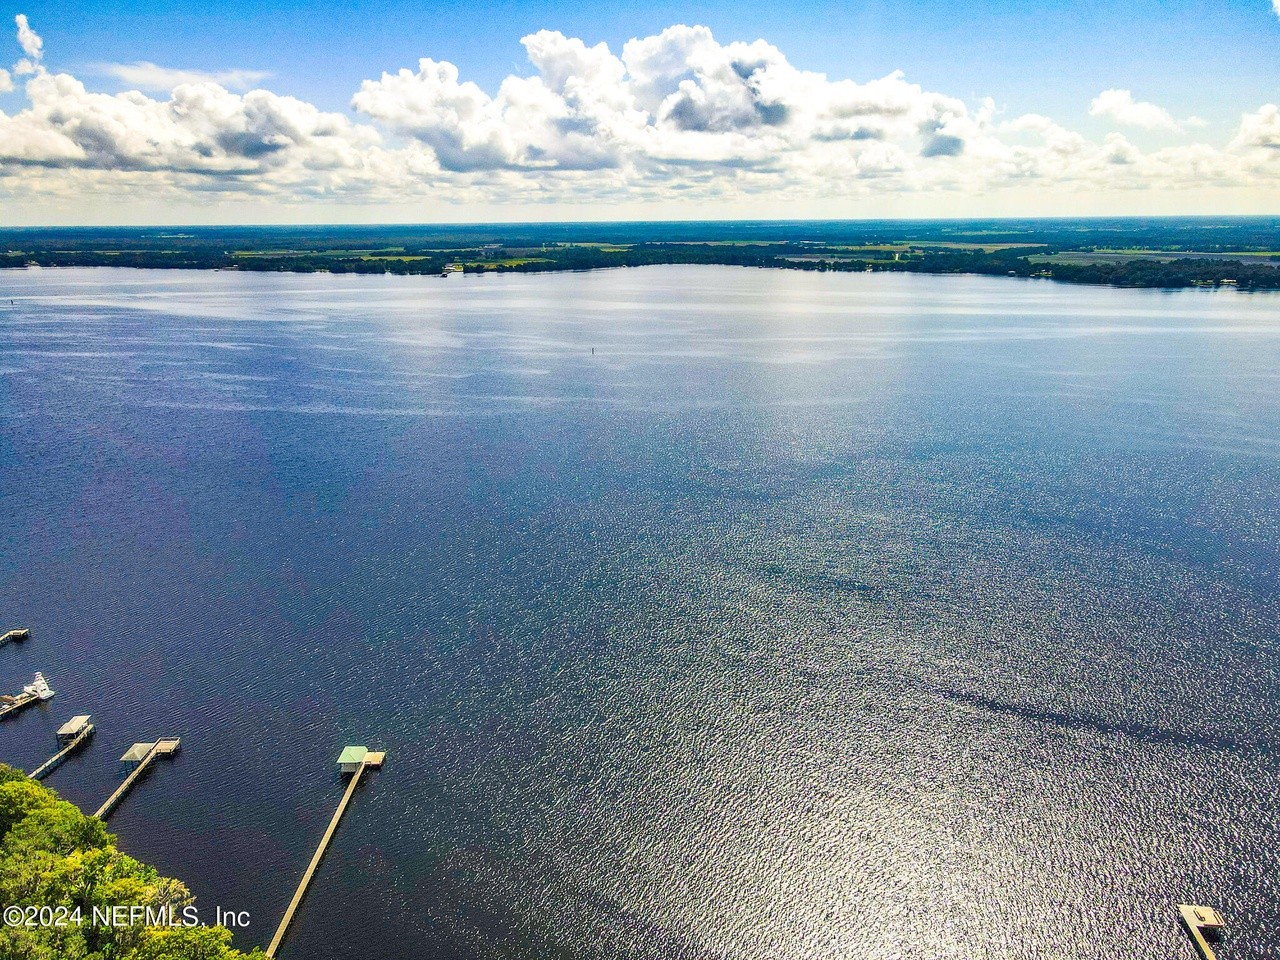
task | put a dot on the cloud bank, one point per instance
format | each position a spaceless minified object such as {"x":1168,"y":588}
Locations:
{"x":677,"y":118}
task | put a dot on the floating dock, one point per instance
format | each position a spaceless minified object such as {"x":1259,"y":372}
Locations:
{"x":73,"y":735}
{"x":353,"y":760}
{"x":1199,"y":921}
{"x":142,"y":754}
{"x":33,"y":692}
{"x":14,"y":636}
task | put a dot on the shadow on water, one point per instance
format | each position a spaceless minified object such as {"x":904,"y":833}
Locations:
{"x":1092,"y":723}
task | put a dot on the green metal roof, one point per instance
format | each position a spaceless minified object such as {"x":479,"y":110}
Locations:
{"x":352,"y":754}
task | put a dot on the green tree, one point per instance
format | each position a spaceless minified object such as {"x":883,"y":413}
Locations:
{"x":52,"y":855}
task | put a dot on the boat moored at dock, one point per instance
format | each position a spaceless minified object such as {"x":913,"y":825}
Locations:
{"x":38,"y":690}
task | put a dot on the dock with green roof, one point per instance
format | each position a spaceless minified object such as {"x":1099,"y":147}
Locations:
{"x":353,"y":760}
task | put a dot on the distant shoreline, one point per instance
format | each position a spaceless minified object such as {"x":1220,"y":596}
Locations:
{"x":1153,"y":254}
{"x":1192,"y":283}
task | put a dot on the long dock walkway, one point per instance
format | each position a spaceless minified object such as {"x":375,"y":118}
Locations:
{"x":80,"y":738}
{"x":366,"y":760}
{"x":142,"y":754}
{"x":14,"y":636}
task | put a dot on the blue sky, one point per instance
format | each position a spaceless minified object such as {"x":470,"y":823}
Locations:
{"x":1214,"y":61}
{"x":1196,"y":57}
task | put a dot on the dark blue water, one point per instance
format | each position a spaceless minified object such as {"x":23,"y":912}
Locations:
{"x":813,"y":616}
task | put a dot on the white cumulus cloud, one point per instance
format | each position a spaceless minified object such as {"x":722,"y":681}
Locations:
{"x":151,"y":77}
{"x":201,"y":130}
{"x":30,"y":41}
{"x":679,"y":98}
{"x":676,"y":118}
{"x":32,"y":45}
{"x":1260,"y":130}
{"x":1120,"y":106}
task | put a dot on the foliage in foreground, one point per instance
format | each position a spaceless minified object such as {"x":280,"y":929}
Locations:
{"x":52,"y":855}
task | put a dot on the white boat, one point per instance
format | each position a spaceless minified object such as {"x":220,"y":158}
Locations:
{"x":39,"y":688}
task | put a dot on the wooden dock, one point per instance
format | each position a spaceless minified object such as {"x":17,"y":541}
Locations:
{"x":14,"y":636}
{"x":1198,"y":920}
{"x":11,"y":705}
{"x":354,"y":760}
{"x":142,"y":754}
{"x":74,"y":734}
{"x":37,"y":691}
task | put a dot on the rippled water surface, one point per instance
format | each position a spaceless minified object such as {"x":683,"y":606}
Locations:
{"x":811,"y":616}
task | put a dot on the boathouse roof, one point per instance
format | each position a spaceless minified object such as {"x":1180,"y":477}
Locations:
{"x":352,"y":755}
{"x":137,"y":752}
{"x":73,"y":726}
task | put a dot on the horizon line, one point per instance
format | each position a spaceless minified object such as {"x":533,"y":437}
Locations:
{"x":1095,"y":218}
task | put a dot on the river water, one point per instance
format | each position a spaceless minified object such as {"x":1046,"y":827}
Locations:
{"x":809,"y":616}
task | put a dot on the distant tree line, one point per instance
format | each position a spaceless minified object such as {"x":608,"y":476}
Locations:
{"x":1172,"y":273}
{"x":939,"y":247}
